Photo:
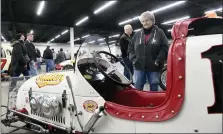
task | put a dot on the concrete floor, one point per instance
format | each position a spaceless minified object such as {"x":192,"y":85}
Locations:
{"x":4,"y":98}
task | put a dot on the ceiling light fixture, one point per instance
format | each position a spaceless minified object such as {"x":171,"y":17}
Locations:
{"x":31,"y":32}
{"x":168,"y":6}
{"x":169,"y":30}
{"x":40,"y":8}
{"x":85,"y":36}
{"x":3,"y":38}
{"x":48,"y":42}
{"x":154,"y":11}
{"x":101,"y":39}
{"x":52,"y":39}
{"x":104,"y":7}
{"x":82,"y":20}
{"x":111,"y":41}
{"x":102,"y":43}
{"x":64,"y":32}
{"x":116,"y":35}
{"x":77,"y":39}
{"x":137,"y":30}
{"x":92,"y":41}
{"x":57,"y":36}
{"x":177,"y":19}
{"x":214,"y":10}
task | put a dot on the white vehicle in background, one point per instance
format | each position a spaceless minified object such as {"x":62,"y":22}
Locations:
{"x":65,"y":65}
{"x":94,"y":97}
{"x":6,"y":53}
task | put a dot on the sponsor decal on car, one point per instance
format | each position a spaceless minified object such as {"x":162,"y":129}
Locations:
{"x":49,"y":79}
{"x":90,"y":106}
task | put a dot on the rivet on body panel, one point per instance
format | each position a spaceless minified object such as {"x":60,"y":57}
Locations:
{"x":180,"y":77}
{"x":143,"y":117}
{"x":173,"y":112}
{"x":130,"y":115}
{"x":179,"y":95}
{"x":117,"y":113}
{"x":196,"y":130}
{"x":157,"y":117}
{"x":179,"y":58}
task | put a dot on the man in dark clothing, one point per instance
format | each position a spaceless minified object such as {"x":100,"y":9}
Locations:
{"x":148,"y":51}
{"x":125,"y":41}
{"x":39,"y":57}
{"x":48,"y":57}
{"x":32,"y":54}
{"x":19,"y":59}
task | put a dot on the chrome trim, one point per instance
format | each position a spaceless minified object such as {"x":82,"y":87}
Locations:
{"x":44,"y":122}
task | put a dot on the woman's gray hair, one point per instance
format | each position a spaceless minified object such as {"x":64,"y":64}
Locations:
{"x":147,"y":15}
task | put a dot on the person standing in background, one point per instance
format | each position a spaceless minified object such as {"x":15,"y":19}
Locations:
{"x":39,"y":59}
{"x":54,"y":55}
{"x":31,"y":50}
{"x":68,"y":55}
{"x":48,"y":56}
{"x":60,"y":56}
{"x":148,"y":51}
{"x":19,"y":60}
{"x":125,"y":41}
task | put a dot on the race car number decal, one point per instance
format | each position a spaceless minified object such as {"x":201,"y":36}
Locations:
{"x":90,"y":106}
{"x":49,"y":79}
{"x":3,"y":62}
{"x":215,"y":55}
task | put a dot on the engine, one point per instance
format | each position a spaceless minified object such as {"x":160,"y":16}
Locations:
{"x":49,"y":106}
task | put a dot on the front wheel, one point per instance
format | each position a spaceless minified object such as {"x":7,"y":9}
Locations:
{"x":163,"y":77}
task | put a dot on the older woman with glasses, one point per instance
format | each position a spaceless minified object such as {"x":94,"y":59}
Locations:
{"x":148,"y":51}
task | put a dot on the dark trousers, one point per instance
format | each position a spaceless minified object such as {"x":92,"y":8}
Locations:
{"x":130,"y":66}
{"x":25,"y":72}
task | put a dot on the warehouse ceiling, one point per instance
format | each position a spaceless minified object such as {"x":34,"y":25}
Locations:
{"x":55,"y":17}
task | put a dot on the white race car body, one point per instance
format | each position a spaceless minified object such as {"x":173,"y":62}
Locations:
{"x":74,"y":101}
{"x":6,"y":52}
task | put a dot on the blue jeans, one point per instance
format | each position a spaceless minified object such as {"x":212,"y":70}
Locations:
{"x":33,"y":69}
{"x":130,"y":66}
{"x":38,"y":65}
{"x":140,"y":79}
{"x":49,"y":65}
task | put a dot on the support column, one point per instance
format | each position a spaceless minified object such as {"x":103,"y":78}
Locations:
{"x":72,"y":42}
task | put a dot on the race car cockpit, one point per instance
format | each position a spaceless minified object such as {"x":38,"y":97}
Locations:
{"x":96,"y":67}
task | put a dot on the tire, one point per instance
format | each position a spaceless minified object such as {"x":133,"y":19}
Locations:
{"x":67,"y":67}
{"x":162,"y":78}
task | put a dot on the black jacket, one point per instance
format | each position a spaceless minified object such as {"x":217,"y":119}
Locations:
{"x":31,"y":50}
{"x":143,"y":56}
{"x":125,"y":40}
{"x":19,"y":54}
{"x":38,"y":54}
{"x":48,"y":54}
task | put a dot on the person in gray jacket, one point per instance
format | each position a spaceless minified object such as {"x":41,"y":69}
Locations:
{"x":60,"y":56}
{"x":148,"y":51}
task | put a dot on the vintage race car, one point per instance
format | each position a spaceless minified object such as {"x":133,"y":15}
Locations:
{"x":6,"y":53}
{"x":94,"y":97}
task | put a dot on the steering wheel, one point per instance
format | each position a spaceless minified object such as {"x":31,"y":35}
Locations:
{"x":111,"y":70}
